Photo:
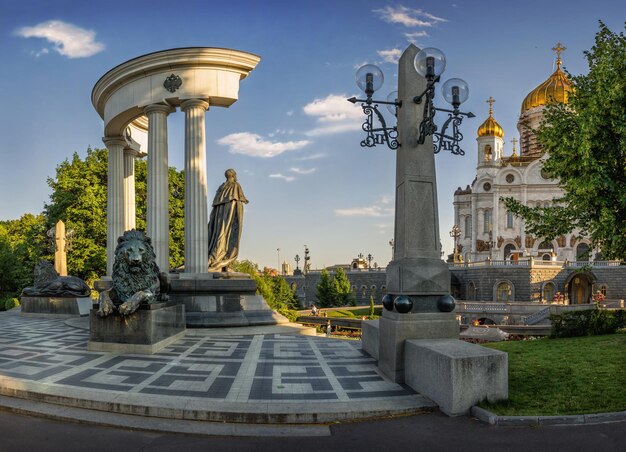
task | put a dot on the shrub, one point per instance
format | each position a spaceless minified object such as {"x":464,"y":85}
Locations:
{"x":591,"y":322}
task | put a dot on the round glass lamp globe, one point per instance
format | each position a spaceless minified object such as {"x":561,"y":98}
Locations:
{"x":392,"y":97}
{"x":377,"y":77}
{"x":430,"y":56}
{"x":455,"y":86}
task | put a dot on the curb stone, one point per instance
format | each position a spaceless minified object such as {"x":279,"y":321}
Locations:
{"x":491,"y":418}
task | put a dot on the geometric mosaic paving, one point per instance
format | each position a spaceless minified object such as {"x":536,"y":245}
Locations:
{"x":264,"y":368}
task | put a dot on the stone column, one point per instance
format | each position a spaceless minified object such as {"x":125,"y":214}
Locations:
{"x":157,"y":211}
{"x":196,"y":210}
{"x":416,"y":270}
{"x":115,"y":196}
{"x":495,"y":221}
{"x":129,"y":190}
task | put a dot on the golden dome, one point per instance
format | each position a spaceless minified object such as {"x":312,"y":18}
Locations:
{"x":490,"y":127}
{"x":555,"y":89}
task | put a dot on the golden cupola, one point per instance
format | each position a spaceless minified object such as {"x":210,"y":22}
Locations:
{"x":490,"y":128}
{"x":555,"y":89}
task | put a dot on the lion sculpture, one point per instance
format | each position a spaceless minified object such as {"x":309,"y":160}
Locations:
{"x":48,"y":283}
{"x":136,"y":277}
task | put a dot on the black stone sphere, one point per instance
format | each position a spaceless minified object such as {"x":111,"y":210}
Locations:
{"x":446,"y":303}
{"x":403,"y":304}
{"x":388,"y":302}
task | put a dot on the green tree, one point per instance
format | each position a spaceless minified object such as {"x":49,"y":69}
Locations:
{"x":22,"y":245}
{"x":341,"y":289}
{"x":371,"y":311}
{"x":274,"y":289}
{"x":325,"y":295}
{"x":585,"y":142}
{"x":79,"y":193}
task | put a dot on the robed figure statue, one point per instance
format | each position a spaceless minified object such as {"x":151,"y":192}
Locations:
{"x":226,"y":223}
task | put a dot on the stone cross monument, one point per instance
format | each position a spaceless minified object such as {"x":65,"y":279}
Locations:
{"x":60,"y":239}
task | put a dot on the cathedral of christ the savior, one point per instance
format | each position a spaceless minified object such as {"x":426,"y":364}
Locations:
{"x":495,"y":259}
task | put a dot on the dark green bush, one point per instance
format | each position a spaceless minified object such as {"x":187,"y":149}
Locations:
{"x":591,"y":322}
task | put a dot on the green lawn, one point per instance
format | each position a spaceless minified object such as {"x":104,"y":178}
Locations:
{"x":564,"y":376}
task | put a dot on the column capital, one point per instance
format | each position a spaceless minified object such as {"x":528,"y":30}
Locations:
{"x":115,"y":141}
{"x":163,"y":108}
{"x":189,"y":103}
{"x":134,"y":153}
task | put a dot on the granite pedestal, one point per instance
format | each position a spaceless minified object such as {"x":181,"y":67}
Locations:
{"x":395,"y":329}
{"x":456,"y":374}
{"x":56,"y":305}
{"x":147,"y":330}
{"x":217,"y":300}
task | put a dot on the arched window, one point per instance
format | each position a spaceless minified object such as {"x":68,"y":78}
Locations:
{"x":548,"y":292}
{"x":488,"y":152}
{"x":582,"y":252}
{"x":383,"y":290}
{"x":363,"y":291}
{"x":507,"y":250}
{"x":294,"y":286}
{"x":509,"y":219}
{"x":546,"y":246}
{"x":504,"y":292}
{"x":487,"y":220}
{"x":471,"y":291}
{"x":468,"y":227}
{"x":603,"y":290}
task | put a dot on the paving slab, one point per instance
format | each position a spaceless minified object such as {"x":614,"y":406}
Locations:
{"x":259,"y":375}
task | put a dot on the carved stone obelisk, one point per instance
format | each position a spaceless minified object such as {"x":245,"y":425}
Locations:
{"x":416,"y":270}
{"x":60,"y":254}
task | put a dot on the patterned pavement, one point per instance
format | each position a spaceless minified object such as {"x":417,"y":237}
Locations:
{"x":270,"y":369}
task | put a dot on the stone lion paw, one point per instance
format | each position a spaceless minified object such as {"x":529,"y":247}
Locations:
{"x":106,"y":307}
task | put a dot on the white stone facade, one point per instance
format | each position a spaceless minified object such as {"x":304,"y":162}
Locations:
{"x":488,"y":230}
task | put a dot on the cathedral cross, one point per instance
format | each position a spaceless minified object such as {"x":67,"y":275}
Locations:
{"x":558,"y":49}
{"x":514,"y":141}
{"x":490,"y":101}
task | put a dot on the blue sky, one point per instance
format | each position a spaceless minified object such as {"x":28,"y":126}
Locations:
{"x":292,"y":139}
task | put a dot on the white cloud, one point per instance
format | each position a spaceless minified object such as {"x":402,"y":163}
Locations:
{"x":37,"y":54}
{"x":334,"y":115}
{"x":411,"y":37}
{"x":371,"y":211}
{"x":282,"y":176}
{"x":301,"y":170}
{"x":317,"y":156}
{"x":390,"y":55}
{"x":380,"y":208}
{"x":68,"y":40}
{"x":408,"y":17}
{"x":290,"y":113}
{"x":254,"y":145}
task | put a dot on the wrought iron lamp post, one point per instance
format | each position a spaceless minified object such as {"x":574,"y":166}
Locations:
{"x":455,"y":233}
{"x":307,"y":257}
{"x":370,"y":258}
{"x":429,"y":63}
{"x":297,"y":259}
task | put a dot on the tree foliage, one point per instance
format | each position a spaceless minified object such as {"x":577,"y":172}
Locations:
{"x":342,"y":290}
{"x":335,"y":291}
{"x":324,"y":293}
{"x":274,"y":289}
{"x":22,"y":245}
{"x":79,"y":197}
{"x":585,"y":142}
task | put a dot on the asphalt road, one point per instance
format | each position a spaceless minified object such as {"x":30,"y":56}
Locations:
{"x":429,"y":432}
